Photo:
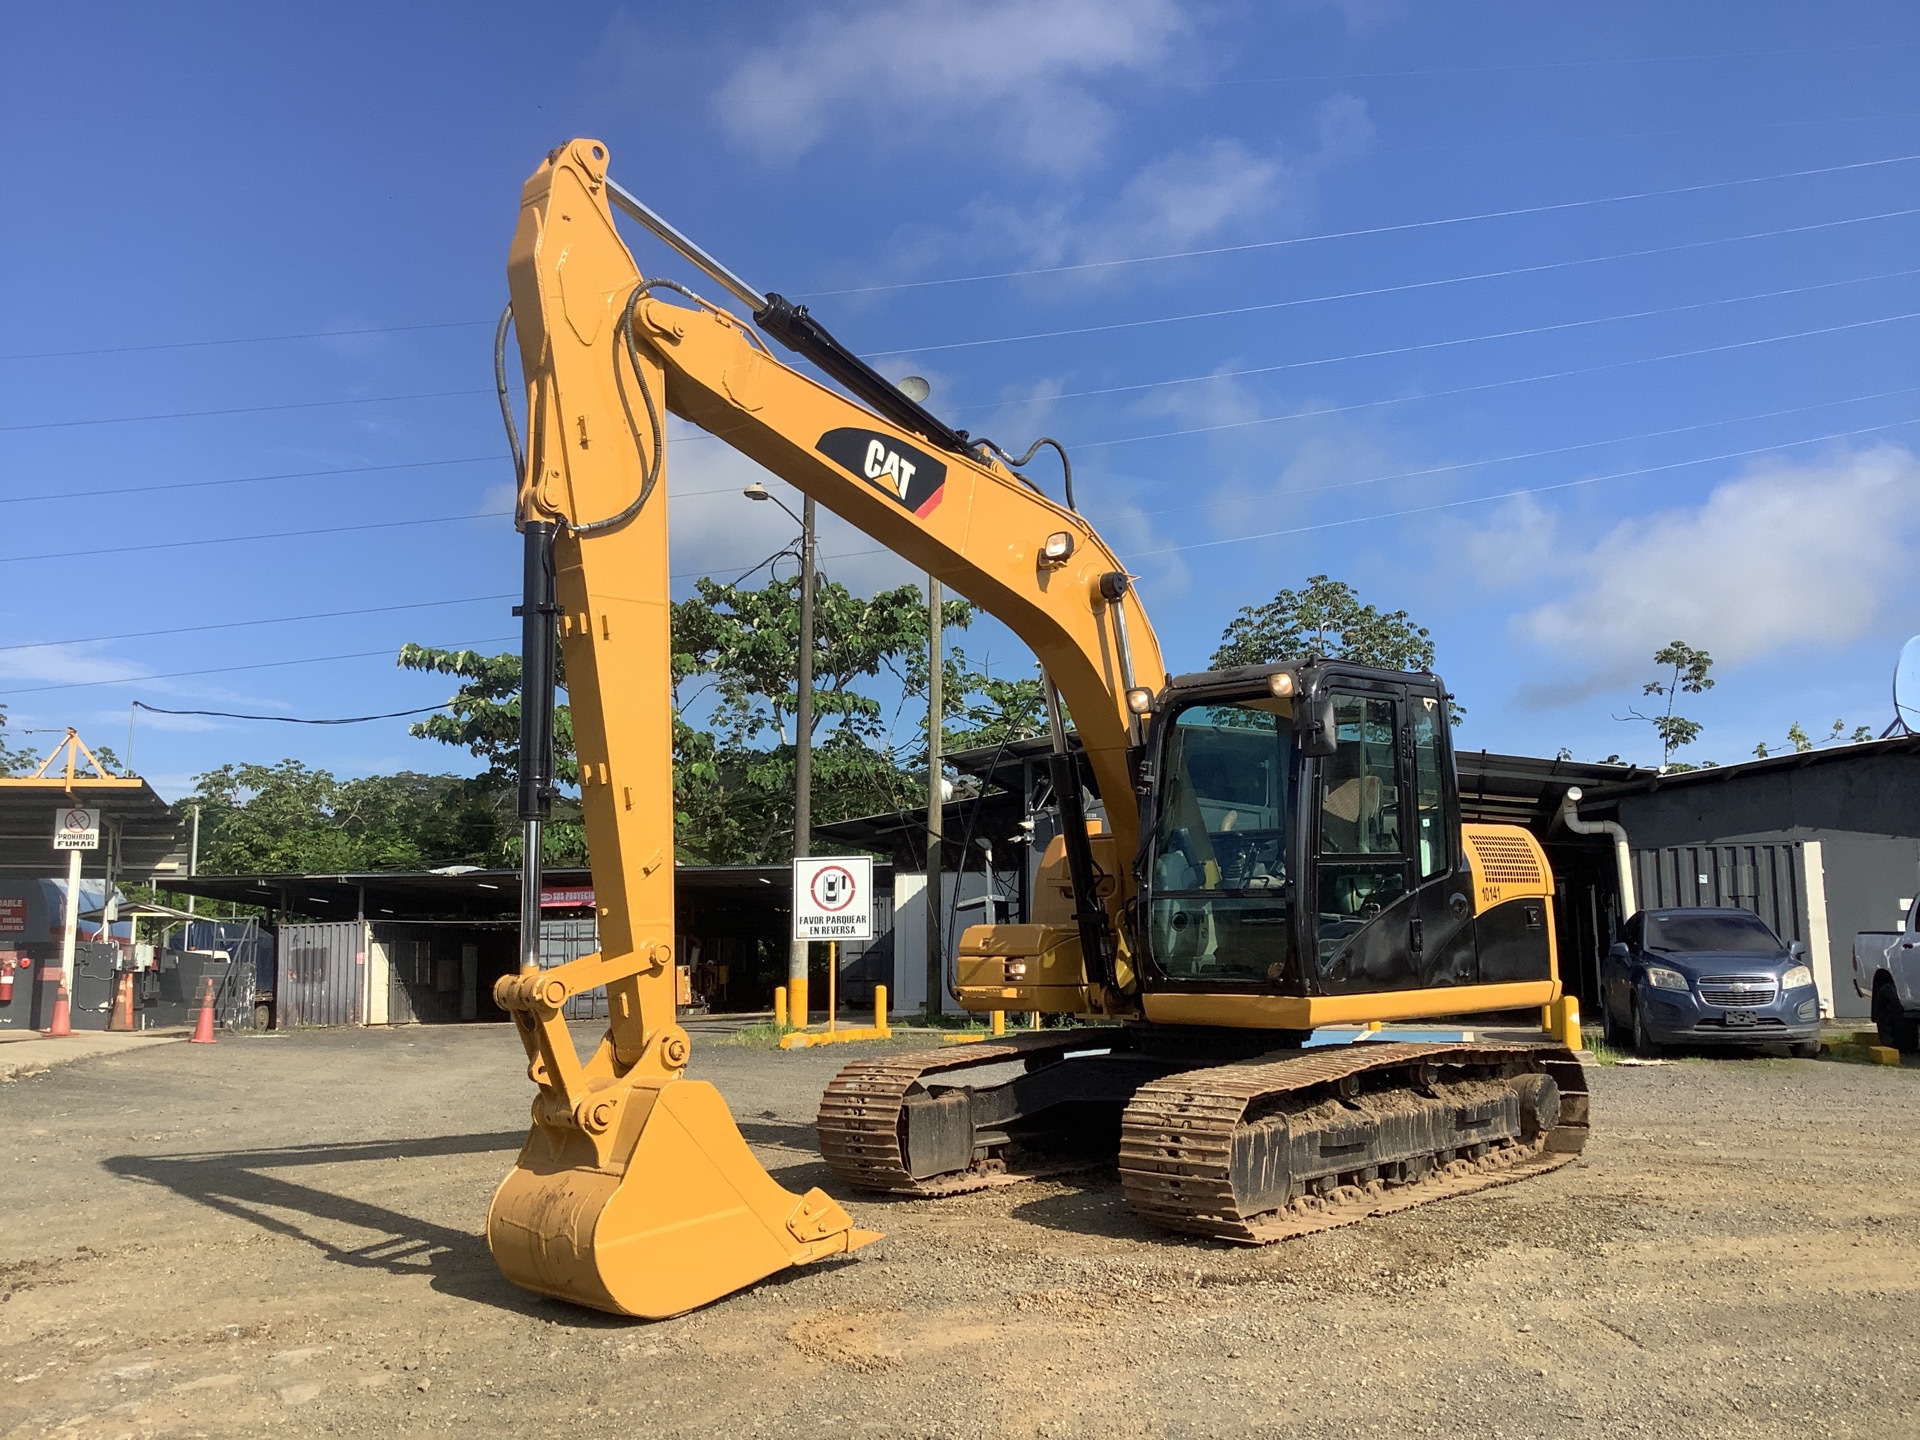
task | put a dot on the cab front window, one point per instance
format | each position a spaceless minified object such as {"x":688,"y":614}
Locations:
{"x":1220,"y":906}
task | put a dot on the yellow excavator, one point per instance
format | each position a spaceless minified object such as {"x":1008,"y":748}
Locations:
{"x":1243,"y":857}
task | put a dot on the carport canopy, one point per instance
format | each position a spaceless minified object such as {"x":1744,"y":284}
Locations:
{"x":140,"y":836}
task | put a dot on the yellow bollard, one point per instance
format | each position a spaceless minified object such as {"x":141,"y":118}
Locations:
{"x":780,"y":1006}
{"x":1546,"y":1018}
{"x":879,"y":1007}
{"x":1564,"y":1021}
{"x":797,"y":1003}
{"x":999,"y":1022}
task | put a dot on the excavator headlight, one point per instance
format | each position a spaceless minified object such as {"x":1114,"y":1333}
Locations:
{"x":1058,"y":549}
{"x":1140,"y":700}
{"x":1281,"y":685}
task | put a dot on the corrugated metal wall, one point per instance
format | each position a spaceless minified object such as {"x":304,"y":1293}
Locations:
{"x":564,"y":940}
{"x":1764,"y":878}
{"x":322,"y":974}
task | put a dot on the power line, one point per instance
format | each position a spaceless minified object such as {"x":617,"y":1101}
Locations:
{"x":1082,"y":445}
{"x":1434,"y":345}
{"x":238,"y":410}
{"x":247,"y":340}
{"x":1165,"y":550}
{"x":247,"y":624}
{"x":119,"y":549}
{"x":1389,"y":290}
{"x":293,"y":719}
{"x":1437,"y":394}
{"x":1399,"y":228}
{"x":234,"y":669}
{"x":1535,"y":489}
{"x":246,"y":479}
{"x":1067,"y":333}
{"x":1459,"y":465}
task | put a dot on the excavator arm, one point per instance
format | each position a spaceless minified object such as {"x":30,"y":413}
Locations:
{"x":635,"y":1192}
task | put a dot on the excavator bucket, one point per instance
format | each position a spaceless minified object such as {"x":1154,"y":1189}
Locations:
{"x":676,"y":1213}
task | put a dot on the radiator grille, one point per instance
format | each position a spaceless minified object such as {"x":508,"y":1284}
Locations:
{"x":1737,"y":992}
{"x":1506,"y":860}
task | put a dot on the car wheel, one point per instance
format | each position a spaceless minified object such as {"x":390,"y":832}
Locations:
{"x":1804,"y":1050}
{"x":1643,"y":1043}
{"x":1897,"y":1028}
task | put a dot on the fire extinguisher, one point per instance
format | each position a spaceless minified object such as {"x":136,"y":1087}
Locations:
{"x":6,"y":980}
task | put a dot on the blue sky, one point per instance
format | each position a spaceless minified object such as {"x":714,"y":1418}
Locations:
{"x":1571,"y":330}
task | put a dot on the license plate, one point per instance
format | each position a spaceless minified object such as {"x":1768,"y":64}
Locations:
{"x":1738,"y":1018}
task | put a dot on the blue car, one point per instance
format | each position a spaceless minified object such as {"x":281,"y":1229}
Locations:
{"x":1707,"y":977}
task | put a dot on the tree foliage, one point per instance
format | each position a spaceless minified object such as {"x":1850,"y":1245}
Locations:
{"x":289,"y":818}
{"x":1327,"y":618}
{"x":14,"y":760}
{"x":1799,"y":742}
{"x":1686,"y":672}
{"x":484,"y":720}
{"x":736,"y":701}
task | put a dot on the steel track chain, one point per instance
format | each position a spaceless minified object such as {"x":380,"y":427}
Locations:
{"x":1177,"y":1135}
{"x":859,"y":1119}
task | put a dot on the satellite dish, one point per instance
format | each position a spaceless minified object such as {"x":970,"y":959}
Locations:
{"x":1906,"y":687}
{"x":914,"y":388}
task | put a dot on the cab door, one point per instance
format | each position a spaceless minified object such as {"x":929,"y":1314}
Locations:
{"x":1388,"y":909}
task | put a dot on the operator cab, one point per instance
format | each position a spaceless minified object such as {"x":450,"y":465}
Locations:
{"x":1301,"y":834}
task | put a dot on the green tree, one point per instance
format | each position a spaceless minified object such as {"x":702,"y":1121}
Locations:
{"x":736,"y":651}
{"x":484,"y":720}
{"x":1800,"y":742}
{"x":1687,"y":673}
{"x":1327,"y":618}
{"x":14,"y":761}
{"x":289,"y":818}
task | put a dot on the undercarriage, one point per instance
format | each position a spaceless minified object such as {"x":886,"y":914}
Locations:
{"x":1248,"y":1147}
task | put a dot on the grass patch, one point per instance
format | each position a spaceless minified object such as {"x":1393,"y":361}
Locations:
{"x":763,"y":1036}
{"x":1593,"y":1040}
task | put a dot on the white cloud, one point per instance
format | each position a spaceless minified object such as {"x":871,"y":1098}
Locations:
{"x":81,"y":664}
{"x":1360,"y":16}
{"x":1014,"y":71}
{"x":1789,"y":555}
{"x":1188,"y":198}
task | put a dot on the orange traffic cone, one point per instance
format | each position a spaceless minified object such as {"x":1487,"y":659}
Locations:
{"x":62,"y":1023}
{"x":122,"y":1017}
{"x":203,"y":1027}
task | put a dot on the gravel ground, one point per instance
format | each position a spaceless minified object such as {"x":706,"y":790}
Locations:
{"x":283,"y":1233}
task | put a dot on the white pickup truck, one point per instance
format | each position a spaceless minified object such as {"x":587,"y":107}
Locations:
{"x":1886,"y":970}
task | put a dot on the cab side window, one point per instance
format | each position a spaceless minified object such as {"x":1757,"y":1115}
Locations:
{"x":1363,"y":862}
{"x":1430,"y":838}
{"x":1359,"y":792}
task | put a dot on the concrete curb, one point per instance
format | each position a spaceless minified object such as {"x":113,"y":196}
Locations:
{"x":34,"y":1054}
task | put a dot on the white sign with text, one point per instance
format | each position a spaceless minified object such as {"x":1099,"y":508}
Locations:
{"x":833,"y":898}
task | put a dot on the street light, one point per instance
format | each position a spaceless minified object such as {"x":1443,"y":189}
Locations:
{"x":803,"y":739}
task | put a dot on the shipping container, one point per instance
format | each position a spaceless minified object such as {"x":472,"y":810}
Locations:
{"x":322,"y":977}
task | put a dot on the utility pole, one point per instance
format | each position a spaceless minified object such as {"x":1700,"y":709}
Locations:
{"x":803,"y":760}
{"x":936,"y":801}
{"x":797,"y":950}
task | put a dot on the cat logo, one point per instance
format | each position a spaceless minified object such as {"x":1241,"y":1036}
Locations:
{"x":910,"y":476}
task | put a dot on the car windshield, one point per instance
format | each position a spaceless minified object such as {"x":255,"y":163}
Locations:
{"x":1710,"y":932}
